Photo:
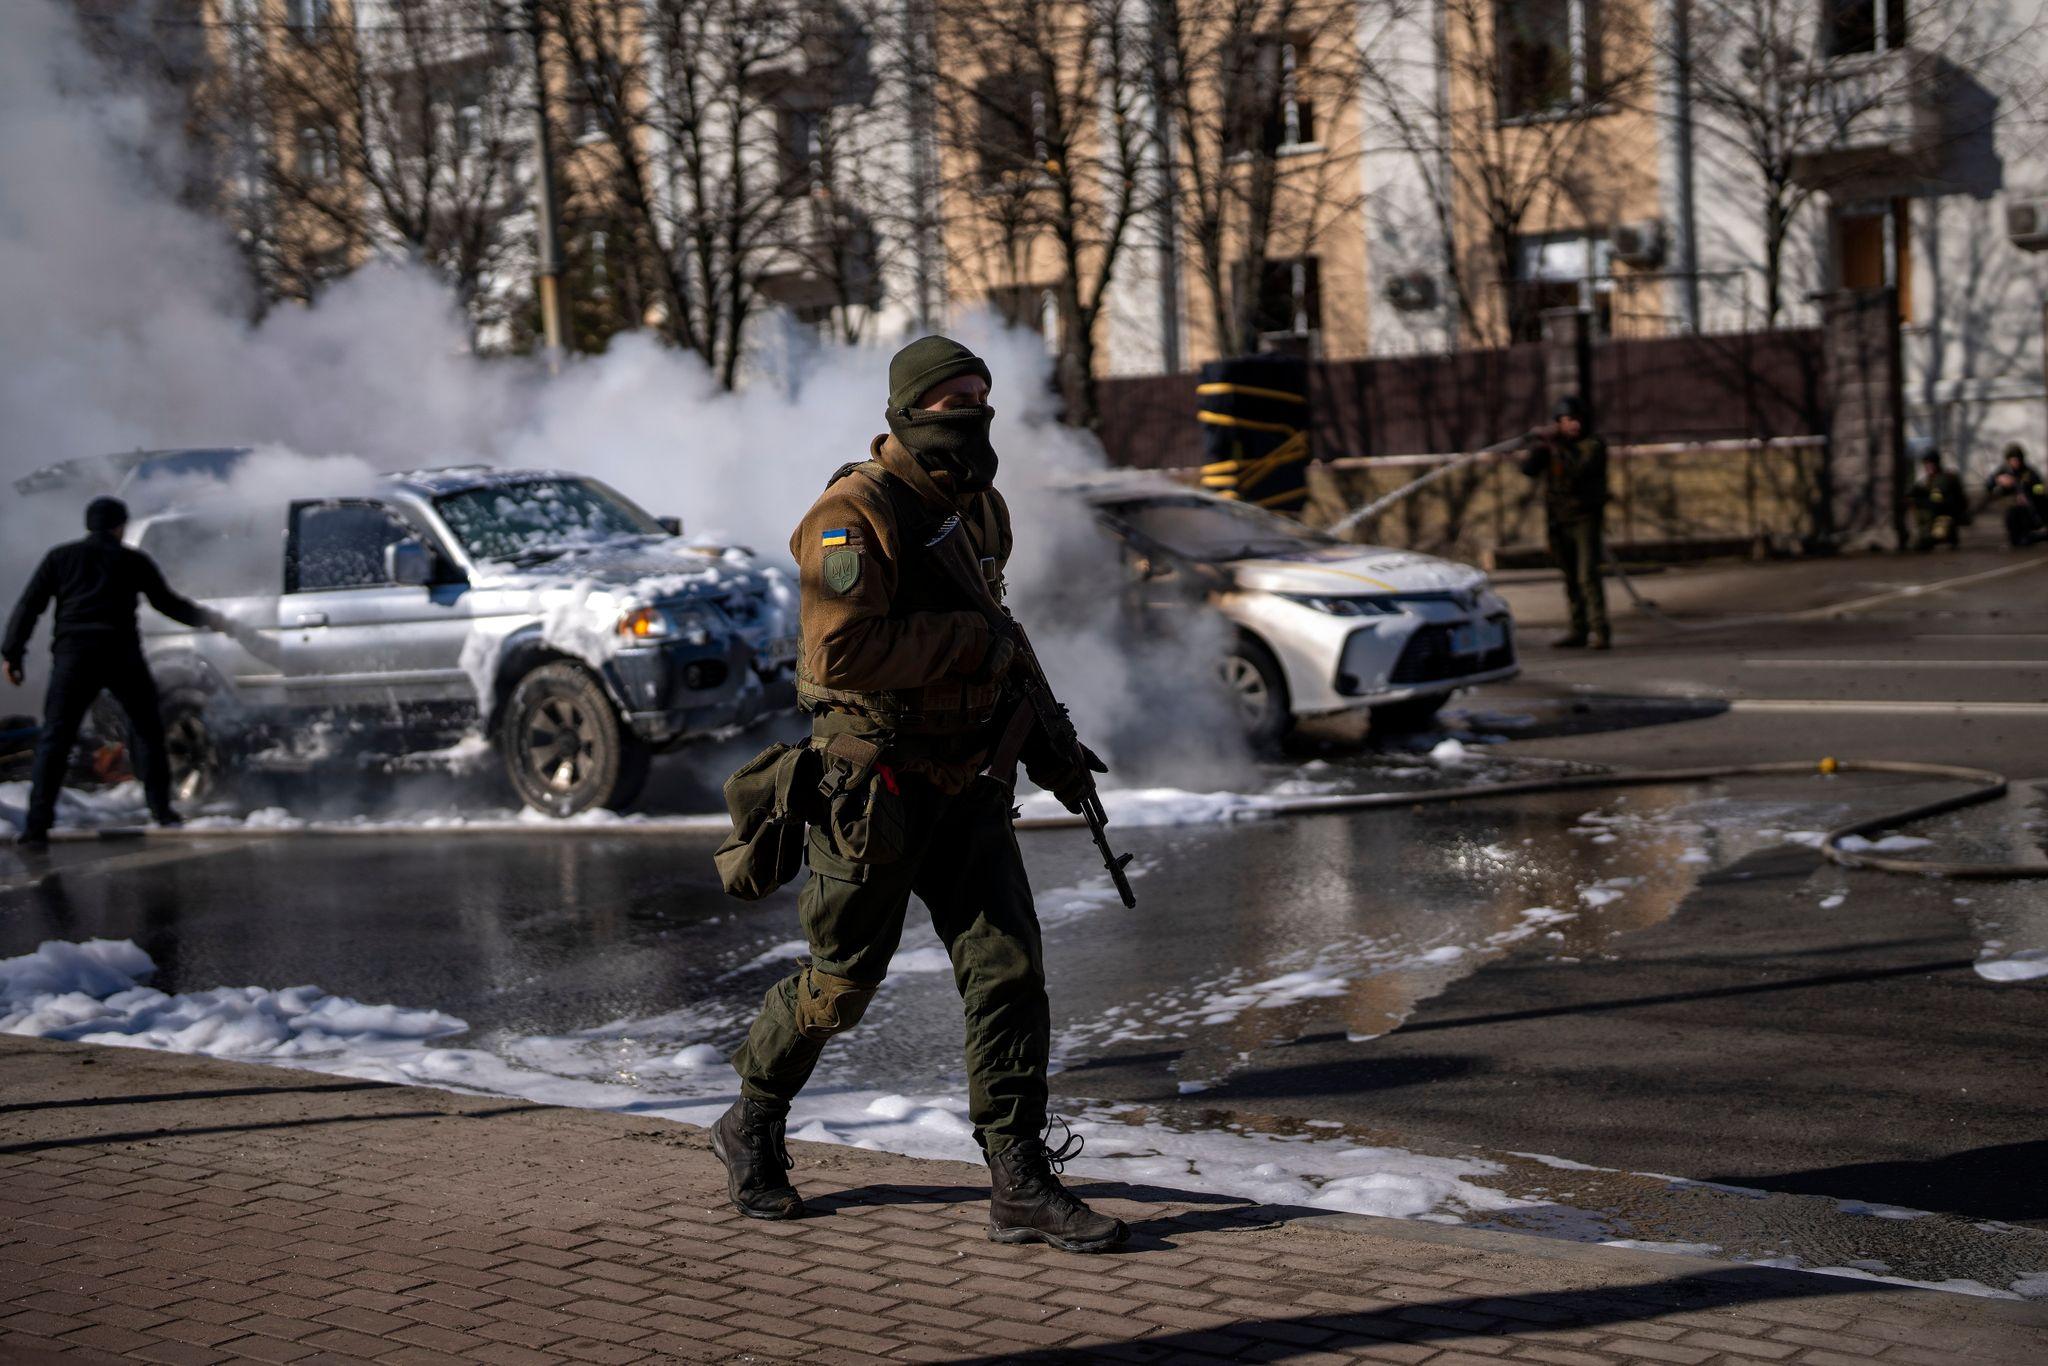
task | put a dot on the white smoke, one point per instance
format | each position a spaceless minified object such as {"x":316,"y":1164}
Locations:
{"x":127,"y":326}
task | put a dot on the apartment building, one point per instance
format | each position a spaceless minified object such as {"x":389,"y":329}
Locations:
{"x":1149,"y":186}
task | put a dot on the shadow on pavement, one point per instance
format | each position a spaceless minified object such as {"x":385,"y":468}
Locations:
{"x":2002,"y":1182}
{"x":1444,"y":1321}
{"x":83,"y":1102}
{"x":1708,"y":994}
{"x":95,"y":1140}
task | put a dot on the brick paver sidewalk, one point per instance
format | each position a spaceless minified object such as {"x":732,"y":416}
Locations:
{"x":180,"y":1209}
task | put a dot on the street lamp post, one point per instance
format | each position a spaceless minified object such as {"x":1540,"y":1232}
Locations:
{"x":547,"y":236}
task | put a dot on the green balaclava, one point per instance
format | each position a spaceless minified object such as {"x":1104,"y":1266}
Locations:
{"x":950,"y":441}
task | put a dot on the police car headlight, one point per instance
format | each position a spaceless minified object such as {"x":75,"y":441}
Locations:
{"x":1359,"y":606}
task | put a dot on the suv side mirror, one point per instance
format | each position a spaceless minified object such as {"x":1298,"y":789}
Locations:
{"x":408,"y":562}
{"x":672,"y":525}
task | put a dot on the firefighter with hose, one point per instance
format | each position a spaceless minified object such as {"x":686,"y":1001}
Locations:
{"x":1571,"y":462}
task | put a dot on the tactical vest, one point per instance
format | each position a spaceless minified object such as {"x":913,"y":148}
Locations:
{"x":953,"y":707}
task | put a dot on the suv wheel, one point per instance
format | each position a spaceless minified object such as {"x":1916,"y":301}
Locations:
{"x":198,"y":770}
{"x":1258,"y":690}
{"x":565,"y":747}
{"x":198,"y":766}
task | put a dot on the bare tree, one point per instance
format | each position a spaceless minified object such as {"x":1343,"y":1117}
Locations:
{"x":1791,"y":103}
{"x":398,"y":126}
{"x":852,"y":210}
{"x":1042,"y":126}
{"x":1252,"y":93}
{"x":1502,"y":106}
{"x":669,"y":129}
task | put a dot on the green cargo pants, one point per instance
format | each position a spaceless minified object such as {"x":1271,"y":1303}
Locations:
{"x":1575,"y":543}
{"x":962,"y":861}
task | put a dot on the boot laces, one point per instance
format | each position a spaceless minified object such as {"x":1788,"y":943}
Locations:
{"x":1040,"y":1164}
{"x":765,"y":1136}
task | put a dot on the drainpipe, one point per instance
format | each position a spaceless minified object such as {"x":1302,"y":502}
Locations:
{"x":920,"y":36}
{"x":1169,"y":206}
{"x":1678,"y":22}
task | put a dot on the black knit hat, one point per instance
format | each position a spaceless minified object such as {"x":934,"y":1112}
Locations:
{"x":930,"y":361}
{"x":1571,"y":406}
{"x":106,"y":514}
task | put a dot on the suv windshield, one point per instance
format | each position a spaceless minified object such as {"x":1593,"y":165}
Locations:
{"x":1210,"y":529}
{"x":540,"y":517}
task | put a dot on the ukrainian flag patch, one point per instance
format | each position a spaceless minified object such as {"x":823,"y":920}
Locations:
{"x":835,"y":537}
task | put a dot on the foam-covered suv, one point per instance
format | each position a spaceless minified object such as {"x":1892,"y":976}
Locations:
{"x":576,"y":631}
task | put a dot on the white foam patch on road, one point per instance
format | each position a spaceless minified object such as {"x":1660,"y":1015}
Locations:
{"x":122,"y":804}
{"x":96,"y":992}
{"x":2021,"y":967}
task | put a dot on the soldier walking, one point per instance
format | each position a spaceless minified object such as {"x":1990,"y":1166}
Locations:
{"x":904,"y":682}
{"x":1572,"y":463}
{"x":96,"y":648}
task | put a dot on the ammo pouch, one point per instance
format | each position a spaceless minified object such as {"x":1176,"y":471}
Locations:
{"x":771,"y":799}
{"x":862,"y":819}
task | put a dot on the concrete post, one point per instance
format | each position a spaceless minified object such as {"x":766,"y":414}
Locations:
{"x":1865,"y":476}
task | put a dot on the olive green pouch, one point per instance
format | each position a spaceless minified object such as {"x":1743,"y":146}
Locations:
{"x":771,"y":798}
{"x":863,"y":807}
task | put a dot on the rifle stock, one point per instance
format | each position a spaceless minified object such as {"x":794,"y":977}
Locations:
{"x":948,"y":548}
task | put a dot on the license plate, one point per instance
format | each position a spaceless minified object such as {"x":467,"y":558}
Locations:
{"x":1478,"y":637}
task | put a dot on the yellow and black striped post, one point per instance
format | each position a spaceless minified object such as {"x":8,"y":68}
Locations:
{"x":1254,"y":415}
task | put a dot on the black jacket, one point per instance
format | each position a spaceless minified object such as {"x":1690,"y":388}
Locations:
{"x":1574,"y":475}
{"x":95,"y":582}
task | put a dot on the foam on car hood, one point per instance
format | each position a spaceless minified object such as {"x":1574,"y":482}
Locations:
{"x":1345,"y":571}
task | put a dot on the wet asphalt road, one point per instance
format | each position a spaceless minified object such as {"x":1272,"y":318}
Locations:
{"x":1710,"y":1021}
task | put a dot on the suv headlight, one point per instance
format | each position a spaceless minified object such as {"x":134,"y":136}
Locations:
{"x":1368,"y":605}
{"x":665,"y":623}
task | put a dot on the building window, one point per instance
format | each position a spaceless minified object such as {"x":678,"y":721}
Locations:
{"x":1548,"y":56}
{"x":1032,"y":308}
{"x":318,"y":154}
{"x":1011,"y":123}
{"x":1851,"y":26}
{"x":308,"y":18}
{"x":1874,"y":249}
{"x":1289,"y":302}
{"x":799,"y":136}
{"x":1561,"y":270}
{"x":1274,"y":114}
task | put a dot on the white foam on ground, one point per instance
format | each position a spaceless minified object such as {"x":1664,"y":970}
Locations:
{"x":2021,"y":967}
{"x":95,"y":992}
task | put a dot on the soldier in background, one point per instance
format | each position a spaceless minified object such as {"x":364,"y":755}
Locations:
{"x":1572,"y":464}
{"x":2026,"y":521}
{"x":95,"y":647}
{"x":1939,"y":506}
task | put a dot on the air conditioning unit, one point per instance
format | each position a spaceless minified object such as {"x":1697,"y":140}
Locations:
{"x":1412,"y":292}
{"x":1638,"y":244}
{"x":2026,"y":223}
{"x":1303,"y":344}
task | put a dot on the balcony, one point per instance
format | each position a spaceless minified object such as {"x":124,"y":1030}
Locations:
{"x":1871,"y":115}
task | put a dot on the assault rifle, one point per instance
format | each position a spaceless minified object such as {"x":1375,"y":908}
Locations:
{"x":949,"y":547}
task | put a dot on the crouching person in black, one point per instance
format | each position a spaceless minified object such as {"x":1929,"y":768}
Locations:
{"x":2026,"y":520}
{"x":96,"y":648}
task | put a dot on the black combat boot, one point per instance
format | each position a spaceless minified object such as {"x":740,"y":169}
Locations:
{"x":1027,"y":1203}
{"x":748,"y":1140}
